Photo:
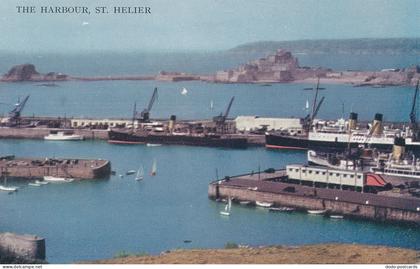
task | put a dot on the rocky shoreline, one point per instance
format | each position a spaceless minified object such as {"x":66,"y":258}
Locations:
{"x":280,"y":67}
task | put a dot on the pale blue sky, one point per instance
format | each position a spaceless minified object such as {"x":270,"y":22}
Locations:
{"x":203,"y":24}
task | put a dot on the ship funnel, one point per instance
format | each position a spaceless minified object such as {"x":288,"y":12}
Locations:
{"x":377,"y":124}
{"x":398,"y":149}
{"x":172,"y":121}
{"x":352,"y":121}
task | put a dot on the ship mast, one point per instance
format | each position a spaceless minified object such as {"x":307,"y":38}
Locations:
{"x":413,"y":120}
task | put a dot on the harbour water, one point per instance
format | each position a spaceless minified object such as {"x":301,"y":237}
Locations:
{"x":116,"y":99}
{"x":98,"y":219}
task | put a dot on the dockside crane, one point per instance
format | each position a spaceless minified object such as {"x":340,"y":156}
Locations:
{"x":308,"y":120}
{"x":413,"y":121}
{"x":15,"y":113}
{"x":220,"y":120}
{"x":145,"y":114}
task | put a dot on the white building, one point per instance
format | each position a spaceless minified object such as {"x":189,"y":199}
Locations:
{"x":249,"y":123}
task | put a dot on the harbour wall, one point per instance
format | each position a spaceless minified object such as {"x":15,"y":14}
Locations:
{"x":83,"y":169}
{"x":309,"y":198}
{"x":29,"y":247}
{"x":40,"y":133}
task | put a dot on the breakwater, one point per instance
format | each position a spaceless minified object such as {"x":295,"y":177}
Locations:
{"x":31,"y":168}
{"x":40,"y":133}
{"x":266,"y":188}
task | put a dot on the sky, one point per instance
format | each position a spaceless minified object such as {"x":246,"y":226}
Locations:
{"x":201,"y":25}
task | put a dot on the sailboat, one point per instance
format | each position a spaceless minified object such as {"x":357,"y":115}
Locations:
{"x":5,"y":188}
{"x":226,"y":212}
{"x":154,"y":168}
{"x":184,"y":91}
{"x":211,"y":104}
{"x":140,"y":173}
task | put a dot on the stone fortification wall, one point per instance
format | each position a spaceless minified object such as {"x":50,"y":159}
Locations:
{"x":30,"y":247}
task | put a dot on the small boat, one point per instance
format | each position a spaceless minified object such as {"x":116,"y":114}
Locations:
{"x":9,"y":189}
{"x":336,"y":216}
{"x":34,"y":184}
{"x":63,"y":136}
{"x":57,"y":179}
{"x":140,"y":173}
{"x":121,"y":175}
{"x":41,"y":182}
{"x":281,"y":209}
{"x":153,"y":145}
{"x":211,"y":105}
{"x":245,"y":202}
{"x":184,"y":91}
{"x":317,"y":212}
{"x":130,"y":172}
{"x":4,"y":187}
{"x":263,"y":204}
{"x":154,"y":168}
{"x":253,"y":188}
{"x":226,"y":212}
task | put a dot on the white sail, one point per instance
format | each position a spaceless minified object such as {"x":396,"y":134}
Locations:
{"x":154,"y":168}
{"x":211,"y":105}
{"x":184,"y":91}
{"x":228,"y":206}
{"x":140,"y":173}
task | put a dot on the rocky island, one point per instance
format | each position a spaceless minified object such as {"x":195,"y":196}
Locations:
{"x":27,"y":72}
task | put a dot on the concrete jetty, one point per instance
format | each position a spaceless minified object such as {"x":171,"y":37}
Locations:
{"x":269,"y":188}
{"x":33,"y":168}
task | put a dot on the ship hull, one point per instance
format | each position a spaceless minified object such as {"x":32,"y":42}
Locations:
{"x":121,"y":137}
{"x":276,"y":141}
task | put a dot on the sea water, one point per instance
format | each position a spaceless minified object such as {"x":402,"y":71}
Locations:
{"x":96,"y":219}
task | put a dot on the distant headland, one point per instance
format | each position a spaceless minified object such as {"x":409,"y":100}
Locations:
{"x":280,"y":66}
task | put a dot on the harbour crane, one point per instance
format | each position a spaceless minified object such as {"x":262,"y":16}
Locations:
{"x":15,"y":113}
{"x":308,"y":120}
{"x":413,"y":120}
{"x":145,"y":114}
{"x":220,"y":120}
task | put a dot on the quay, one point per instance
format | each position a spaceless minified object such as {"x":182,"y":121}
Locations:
{"x":34,"y":168}
{"x":271,"y":187}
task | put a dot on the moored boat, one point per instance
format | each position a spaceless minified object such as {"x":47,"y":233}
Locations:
{"x":263,"y":204}
{"x":153,"y":139}
{"x":63,"y":136}
{"x":8,"y":189}
{"x":57,"y":179}
{"x":282,"y":209}
{"x":317,"y":211}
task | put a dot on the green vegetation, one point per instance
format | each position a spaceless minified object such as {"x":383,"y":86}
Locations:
{"x":231,"y":245}
{"x":124,"y":254}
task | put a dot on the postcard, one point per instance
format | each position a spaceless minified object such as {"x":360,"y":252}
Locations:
{"x":209,"y":132}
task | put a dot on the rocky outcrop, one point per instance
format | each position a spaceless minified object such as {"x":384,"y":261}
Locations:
{"x":27,"y":72}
